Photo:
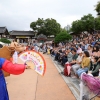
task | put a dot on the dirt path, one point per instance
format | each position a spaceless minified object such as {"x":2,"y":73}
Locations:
{"x":31,"y":86}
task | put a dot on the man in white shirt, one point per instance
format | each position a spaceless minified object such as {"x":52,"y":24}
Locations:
{"x":36,"y":48}
{"x":69,"y":55}
{"x":76,"y":66}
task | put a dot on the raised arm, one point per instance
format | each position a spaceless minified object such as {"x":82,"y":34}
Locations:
{"x":11,"y":68}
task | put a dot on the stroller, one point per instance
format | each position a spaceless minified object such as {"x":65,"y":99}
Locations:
{"x":91,"y":85}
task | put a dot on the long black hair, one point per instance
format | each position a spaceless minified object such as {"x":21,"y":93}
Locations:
{"x":97,"y":48}
{"x":87,"y":53}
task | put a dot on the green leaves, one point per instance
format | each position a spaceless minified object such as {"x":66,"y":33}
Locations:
{"x":97,"y":8}
{"x":97,"y":23}
{"x":62,"y":36}
{"x":47,"y":27}
{"x":5,"y":40}
{"x":86,"y":23}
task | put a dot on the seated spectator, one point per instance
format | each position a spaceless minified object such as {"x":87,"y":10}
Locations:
{"x":93,"y":42}
{"x":57,"y":56}
{"x":99,"y":52}
{"x":86,"y":45}
{"x":78,"y":62}
{"x":85,"y":63}
{"x":44,"y":48}
{"x":98,"y":41}
{"x":50,"y":47}
{"x":94,"y":67}
{"x":69,"y":55}
{"x":83,"y":46}
{"x":90,"y":49}
{"x":75,"y":55}
{"x":95,"y":51}
{"x":52,"y":52}
{"x":62,"y":55}
{"x":75,"y":48}
{"x":71,"y":47}
{"x":79,"y":48}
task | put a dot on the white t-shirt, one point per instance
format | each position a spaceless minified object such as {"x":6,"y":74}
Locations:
{"x":79,"y":59}
{"x":51,"y":47}
{"x":15,"y":57}
{"x":36,"y":48}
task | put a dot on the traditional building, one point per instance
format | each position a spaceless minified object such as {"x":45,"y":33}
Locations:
{"x":4,"y":32}
{"x":22,"y":36}
{"x":41,"y":38}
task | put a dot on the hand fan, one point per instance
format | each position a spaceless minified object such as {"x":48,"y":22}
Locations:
{"x":35,"y":60}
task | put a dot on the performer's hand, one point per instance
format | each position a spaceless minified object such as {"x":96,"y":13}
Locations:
{"x":27,"y":67}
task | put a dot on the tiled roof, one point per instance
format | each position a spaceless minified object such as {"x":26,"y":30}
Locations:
{"x":28,"y":33}
{"x":3,"y":29}
{"x":41,"y":36}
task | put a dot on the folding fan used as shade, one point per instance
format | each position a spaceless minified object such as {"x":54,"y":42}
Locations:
{"x":35,"y":60}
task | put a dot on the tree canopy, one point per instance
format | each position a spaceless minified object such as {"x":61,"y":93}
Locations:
{"x":97,"y":8}
{"x":97,"y":23}
{"x":86,"y":23}
{"x":47,"y":27}
{"x":62,"y":36}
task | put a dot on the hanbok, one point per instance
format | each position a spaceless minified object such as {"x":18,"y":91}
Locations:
{"x":12,"y":69}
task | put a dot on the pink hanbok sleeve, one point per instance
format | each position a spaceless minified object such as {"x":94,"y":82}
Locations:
{"x":13,"y":68}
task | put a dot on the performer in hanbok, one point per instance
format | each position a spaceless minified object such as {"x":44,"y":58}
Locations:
{"x":11,"y":68}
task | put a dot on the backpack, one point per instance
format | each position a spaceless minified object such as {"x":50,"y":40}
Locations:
{"x":67,"y":69}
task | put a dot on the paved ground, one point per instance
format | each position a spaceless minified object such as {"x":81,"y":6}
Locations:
{"x":31,"y":86}
{"x":73,"y":83}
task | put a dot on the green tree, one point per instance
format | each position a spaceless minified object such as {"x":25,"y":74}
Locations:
{"x":62,"y":37}
{"x":97,"y":23}
{"x":97,"y":8}
{"x":47,"y":27}
{"x":86,"y":23}
{"x":4,"y":40}
{"x":77,"y":26}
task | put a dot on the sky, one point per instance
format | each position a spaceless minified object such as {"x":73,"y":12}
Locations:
{"x":18,"y":14}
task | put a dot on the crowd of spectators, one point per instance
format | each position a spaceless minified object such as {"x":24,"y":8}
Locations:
{"x":82,"y":52}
